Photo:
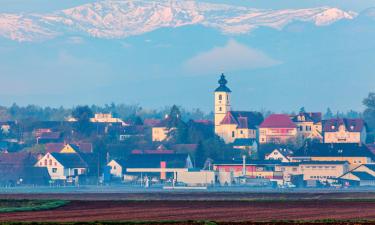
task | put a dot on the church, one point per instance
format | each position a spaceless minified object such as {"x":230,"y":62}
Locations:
{"x":234,"y":126}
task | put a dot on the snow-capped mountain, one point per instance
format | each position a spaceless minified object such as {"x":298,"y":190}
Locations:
{"x":122,"y":18}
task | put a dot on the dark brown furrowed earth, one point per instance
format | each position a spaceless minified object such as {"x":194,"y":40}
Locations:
{"x":201,"y":210}
{"x":213,"y":206}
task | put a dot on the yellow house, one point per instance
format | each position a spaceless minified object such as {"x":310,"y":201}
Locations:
{"x":68,"y":149}
{"x":231,"y":125}
{"x":344,"y":131}
{"x":309,"y":125}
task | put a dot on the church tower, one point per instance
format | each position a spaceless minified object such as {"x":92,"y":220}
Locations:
{"x":222,"y":100}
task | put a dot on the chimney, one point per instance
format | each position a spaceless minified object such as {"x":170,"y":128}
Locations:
{"x":243,"y":165}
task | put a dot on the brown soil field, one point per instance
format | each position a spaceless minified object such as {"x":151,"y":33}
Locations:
{"x":79,"y":210}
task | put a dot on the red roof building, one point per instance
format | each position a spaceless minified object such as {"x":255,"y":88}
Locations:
{"x":278,"y":129}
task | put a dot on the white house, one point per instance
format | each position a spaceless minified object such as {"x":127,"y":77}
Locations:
{"x":117,"y":167}
{"x":279,"y":154}
{"x":63,"y":166}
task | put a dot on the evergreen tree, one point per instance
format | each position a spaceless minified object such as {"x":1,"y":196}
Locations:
{"x":328,"y":114}
{"x":200,"y":155}
{"x":369,"y":115}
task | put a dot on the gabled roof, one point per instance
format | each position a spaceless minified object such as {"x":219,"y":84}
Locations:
{"x":314,"y":117}
{"x":70,"y":160}
{"x":351,"y":125}
{"x":334,"y":150}
{"x":278,"y":121}
{"x":363,"y":175}
{"x":50,"y":135}
{"x":243,"y":119}
{"x":121,"y":162}
{"x":154,"y":160}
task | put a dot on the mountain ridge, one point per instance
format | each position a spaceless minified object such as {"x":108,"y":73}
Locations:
{"x":116,"y":19}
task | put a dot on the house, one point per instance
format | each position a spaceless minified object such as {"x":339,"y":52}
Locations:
{"x":354,"y":154}
{"x":363,"y":175}
{"x":64,"y":166}
{"x":323,"y":171}
{"x":316,"y":171}
{"x":131,"y":131}
{"x":231,"y":125}
{"x":309,"y":125}
{"x":279,"y":154}
{"x":46,"y":135}
{"x":18,"y":168}
{"x":264,"y":169}
{"x":344,"y":131}
{"x":161,"y":149}
{"x":277,"y":129}
{"x":106,"y":118}
{"x":160,"y":166}
{"x":83,"y":147}
{"x":161,"y":131}
{"x":118,"y":167}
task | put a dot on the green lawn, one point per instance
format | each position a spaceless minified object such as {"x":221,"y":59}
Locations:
{"x":10,"y":205}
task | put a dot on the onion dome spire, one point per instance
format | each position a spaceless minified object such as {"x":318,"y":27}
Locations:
{"x":222,"y":82}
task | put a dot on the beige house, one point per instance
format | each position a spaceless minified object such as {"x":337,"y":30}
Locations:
{"x":63,"y":166}
{"x":231,"y":125}
{"x":322,"y":171}
{"x":344,"y":131}
{"x":117,"y":167}
{"x":106,"y":118}
{"x":354,"y":154}
{"x":277,"y":129}
{"x":309,"y":125}
{"x":364,"y":175}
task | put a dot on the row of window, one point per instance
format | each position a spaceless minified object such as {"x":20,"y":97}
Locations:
{"x":319,"y":167}
{"x":320,"y":177}
{"x":307,"y":128}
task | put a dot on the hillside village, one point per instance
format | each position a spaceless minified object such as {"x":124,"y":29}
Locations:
{"x":237,"y":148}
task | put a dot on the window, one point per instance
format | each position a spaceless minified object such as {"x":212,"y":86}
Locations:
{"x":220,"y":97}
{"x":220,"y":109}
{"x":241,"y":131}
{"x":54,"y":170}
{"x":233,"y":134}
{"x":50,"y":162}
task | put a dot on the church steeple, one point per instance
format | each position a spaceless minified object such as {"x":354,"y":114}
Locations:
{"x":222,"y":100}
{"x":223,"y":84}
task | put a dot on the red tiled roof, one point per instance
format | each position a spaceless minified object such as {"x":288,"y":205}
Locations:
{"x":315,"y":117}
{"x":243,"y":119}
{"x":278,"y":121}
{"x":228,"y":119}
{"x":54,"y":147}
{"x":50,"y":135}
{"x":57,"y":147}
{"x":351,"y":125}
{"x":151,"y":122}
